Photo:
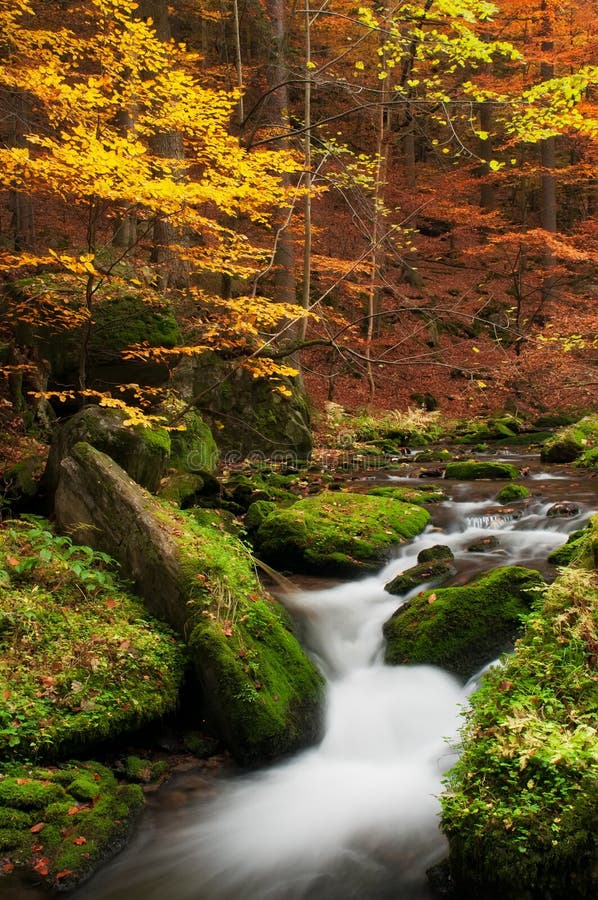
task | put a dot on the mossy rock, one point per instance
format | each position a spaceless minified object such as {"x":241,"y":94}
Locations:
{"x":260,"y":691}
{"x":180,"y":488}
{"x":436,"y":570}
{"x":81,"y":659}
{"x":438,"y":455}
{"x":193,"y":448}
{"x":122,"y":317}
{"x":512,"y":492}
{"x":251,"y":417}
{"x":520,"y":805}
{"x":268,"y":698}
{"x":571,"y":442}
{"x":581,"y":549}
{"x":428,"y":494}
{"x":337,"y":533}
{"x":470,"y":470}
{"x":256,"y":514}
{"x":438,"y":551}
{"x":142,"y":452}
{"x":63,"y":833}
{"x":462,"y":628}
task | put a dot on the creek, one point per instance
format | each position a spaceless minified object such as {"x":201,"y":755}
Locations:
{"x":355,"y":818}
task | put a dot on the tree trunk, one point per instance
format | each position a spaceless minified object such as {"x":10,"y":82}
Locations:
{"x":284,"y":284}
{"x":167,"y":145}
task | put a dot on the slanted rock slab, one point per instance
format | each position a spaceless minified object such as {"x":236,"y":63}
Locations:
{"x":260,"y":689}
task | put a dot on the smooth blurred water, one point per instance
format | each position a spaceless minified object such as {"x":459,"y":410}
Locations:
{"x":355,"y":818}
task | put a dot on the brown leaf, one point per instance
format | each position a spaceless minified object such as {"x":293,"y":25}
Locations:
{"x":111,"y":602}
{"x":79,"y":840}
{"x":62,"y":874}
{"x":35,"y":829}
{"x":7,"y":868}
{"x":36,"y":848}
{"x":72,"y":811}
{"x":431,"y":598}
{"x":42,"y":866}
{"x":12,"y":561}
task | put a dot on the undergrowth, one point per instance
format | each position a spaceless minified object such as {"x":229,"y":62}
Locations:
{"x":81,"y":659}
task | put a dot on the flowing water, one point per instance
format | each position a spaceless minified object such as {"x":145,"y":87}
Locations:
{"x":355,"y":818}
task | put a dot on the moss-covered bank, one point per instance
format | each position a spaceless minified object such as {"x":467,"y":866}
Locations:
{"x":60,"y":822}
{"x":574,"y":442}
{"x":521,"y":805}
{"x":81,"y":659}
{"x":337,"y":533}
{"x":462,"y":628}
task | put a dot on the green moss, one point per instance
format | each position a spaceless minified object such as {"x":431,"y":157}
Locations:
{"x":261,"y":690}
{"x":83,"y":788}
{"x":257,"y":513}
{"x":429,"y":493}
{"x":571,"y":442}
{"x":520,"y":809}
{"x":337,"y":533}
{"x":193,"y":448}
{"x":144,"y":770}
{"x":81,"y":659}
{"x":437,"y":570}
{"x":462,"y":628}
{"x":512,"y":492}
{"x":266,"y":690}
{"x":28,"y":794}
{"x":11,"y":818}
{"x":581,"y":548}
{"x":73,"y":834}
{"x":471,"y":469}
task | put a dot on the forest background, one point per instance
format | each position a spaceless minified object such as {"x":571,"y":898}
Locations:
{"x":398,"y":199}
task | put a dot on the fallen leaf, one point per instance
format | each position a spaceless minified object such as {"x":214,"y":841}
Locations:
{"x":35,"y":829}
{"x":36,"y":848}
{"x":431,"y":598}
{"x":79,"y":840}
{"x":111,"y":603}
{"x":13,"y":561}
{"x":72,"y":811}
{"x":7,"y":867}
{"x":42,"y":866}
{"x":63,"y":874}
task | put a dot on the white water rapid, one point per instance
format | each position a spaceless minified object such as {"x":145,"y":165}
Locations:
{"x":355,"y":818}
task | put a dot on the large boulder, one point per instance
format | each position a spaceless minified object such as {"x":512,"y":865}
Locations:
{"x":462,"y":628}
{"x":260,"y":690}
{"x":143,"y":452}
{"x":337,"y":534}
{"x":250,"y":416}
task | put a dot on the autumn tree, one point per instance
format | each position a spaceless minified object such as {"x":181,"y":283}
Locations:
{"x":78,"y":157}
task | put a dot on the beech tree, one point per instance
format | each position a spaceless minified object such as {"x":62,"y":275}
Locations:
{"x":76,"y":155}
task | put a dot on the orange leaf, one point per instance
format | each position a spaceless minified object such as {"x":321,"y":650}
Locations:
{"x":37,"y":847}
{"x":431,"y":598}
{"x":13,"y":561}
{"x":111,"y":603}
{"x":72,"y":811}
{"x":7,"y":867}
{"x":79,"y":840}
{"x":42,"y":866}
{"x":63,"y":874}
{"x":35,"y":829}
